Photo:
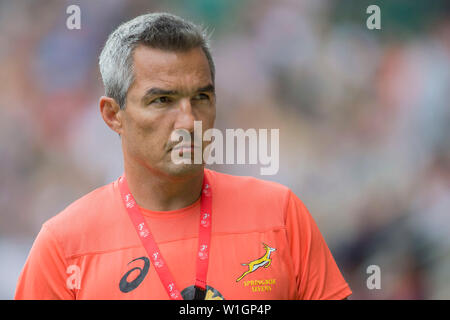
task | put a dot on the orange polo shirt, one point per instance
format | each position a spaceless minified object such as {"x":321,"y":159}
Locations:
{"x":264,"y":245}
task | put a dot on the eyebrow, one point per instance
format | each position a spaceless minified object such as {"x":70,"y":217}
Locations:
{"x":159,"y":91}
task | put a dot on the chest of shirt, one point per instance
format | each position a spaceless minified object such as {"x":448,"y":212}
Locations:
{"x":247,"y":265}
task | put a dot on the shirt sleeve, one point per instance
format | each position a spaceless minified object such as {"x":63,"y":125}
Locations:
{"x":44,"y":275}
{"x":318,"y":276}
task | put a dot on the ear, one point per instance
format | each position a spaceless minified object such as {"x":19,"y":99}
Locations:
{"x":111,"y":113}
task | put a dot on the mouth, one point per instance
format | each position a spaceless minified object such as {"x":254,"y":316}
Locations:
{"x":185,"y":148}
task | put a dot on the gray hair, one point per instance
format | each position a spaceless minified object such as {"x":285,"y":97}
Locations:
{"x":157,"y":30}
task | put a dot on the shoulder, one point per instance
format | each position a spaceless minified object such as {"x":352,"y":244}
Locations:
{"x":85,"y":221}
{"x":83,"y":208}
{"x":250,"y":200}
{"x":250,"y":186}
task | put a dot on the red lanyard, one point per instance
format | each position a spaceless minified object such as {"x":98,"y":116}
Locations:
{"x":152,"y":248}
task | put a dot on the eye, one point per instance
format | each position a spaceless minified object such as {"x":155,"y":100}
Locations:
{"x":201,"y":96}
{"x":161,"y":100}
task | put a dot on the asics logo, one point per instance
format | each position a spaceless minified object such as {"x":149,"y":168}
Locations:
{"x":127,"y":286}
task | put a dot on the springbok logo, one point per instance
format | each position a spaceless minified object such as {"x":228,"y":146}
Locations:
{"x":157,"y":261}
{"x":205,"y":222}
{"x":129,"y":201}
{"x":206,"y":190}
{"x":264,"y":261}
{"x":173,"y":293}
{"x":143,"y":232}
{"x":203,"y":252}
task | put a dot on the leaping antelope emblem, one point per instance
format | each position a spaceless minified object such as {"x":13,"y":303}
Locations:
{"x":264,"y":261}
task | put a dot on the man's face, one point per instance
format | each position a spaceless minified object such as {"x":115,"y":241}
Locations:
{"x":171,"y":90}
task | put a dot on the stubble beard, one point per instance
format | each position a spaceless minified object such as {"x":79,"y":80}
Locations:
{"x":183,"y":169}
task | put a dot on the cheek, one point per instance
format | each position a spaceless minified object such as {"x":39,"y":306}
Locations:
{"x":142,"y":131}
{"x":210,"y":118}
{"x":153,"y":134}
{"x":137,"y":130}
{"x":207,"y":115}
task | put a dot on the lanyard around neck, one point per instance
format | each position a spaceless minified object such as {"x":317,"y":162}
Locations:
{"x":153,"y":251}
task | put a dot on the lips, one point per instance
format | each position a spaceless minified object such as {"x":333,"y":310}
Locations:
{"x":183,"y":146}
{"x":186,"y":147}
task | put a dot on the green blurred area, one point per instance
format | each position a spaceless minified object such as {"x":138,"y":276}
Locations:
{"x":399,"y":18}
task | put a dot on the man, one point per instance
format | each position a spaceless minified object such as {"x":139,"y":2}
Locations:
{"x":167,"y":230}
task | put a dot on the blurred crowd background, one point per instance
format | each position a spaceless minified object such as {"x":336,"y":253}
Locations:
{"x":364,"y":121}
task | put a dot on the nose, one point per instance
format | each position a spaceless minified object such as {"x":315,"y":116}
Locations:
{"x":185,"y":117}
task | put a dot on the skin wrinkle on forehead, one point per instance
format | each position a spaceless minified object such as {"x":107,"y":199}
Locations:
{"x":168,"y":72}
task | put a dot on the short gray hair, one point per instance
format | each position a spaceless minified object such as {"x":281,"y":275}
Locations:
{"x":157,"y":30}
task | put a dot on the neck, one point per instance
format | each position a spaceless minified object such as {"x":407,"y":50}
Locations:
{"x":158,"y":191}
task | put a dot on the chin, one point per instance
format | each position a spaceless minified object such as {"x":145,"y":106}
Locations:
{"x":184,"y":169}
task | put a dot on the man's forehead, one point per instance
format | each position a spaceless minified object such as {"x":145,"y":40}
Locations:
{"x":156,"y":67}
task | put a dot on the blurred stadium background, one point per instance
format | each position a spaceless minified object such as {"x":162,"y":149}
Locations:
{"x":363,"y":116}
